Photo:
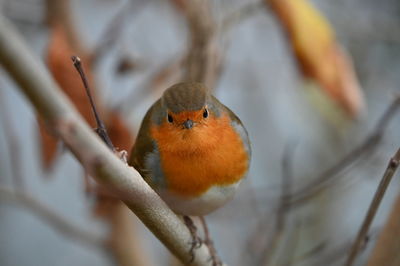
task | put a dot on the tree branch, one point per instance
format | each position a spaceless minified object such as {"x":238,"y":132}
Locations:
{"x":49,"y":216}
{"x":13,"y":145}
{"x":365,"y":148}
{"x":386,"y":250}
{"x":35,"y":82}
{"x":283,"y":207}
{"x":101,"y":128}
{"x":242,"y":13}
{"x":203,"y":60}
{"x":373,"y":208}
{"x":59,"y":12}
{"x":123,"y":239}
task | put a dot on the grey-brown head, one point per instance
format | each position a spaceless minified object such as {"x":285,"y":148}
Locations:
{"x":186,"y":104}
{"x":185,"y":96}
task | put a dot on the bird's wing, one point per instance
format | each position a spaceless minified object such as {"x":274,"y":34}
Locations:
{"x":143,"y":144}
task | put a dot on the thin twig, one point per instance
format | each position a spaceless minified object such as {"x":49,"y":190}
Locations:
{"x":203,"y":60}
{"x":242,"y":13}
{"x":283,"y":208}
{"x":20,"y":196}
{"x":386,"y":250}
{"x":101,"y":129}
{"x":210,"y":244}
{"x":365,"y":148}
{"x":286,"y":187}
{"x":112,"y":32}
{"x":114,"y":29}
{"x":293,"y":243}
{"x":59,"y":12}
{"x":163,"y":77}
{"x":373,"y":208}
{"x":123,"y":237}
{"x":314,"y":251}
{"x":51,"y":217}
{"x":13,"y":145}
{"x":325,"y":255}
{"x":49,"y":101}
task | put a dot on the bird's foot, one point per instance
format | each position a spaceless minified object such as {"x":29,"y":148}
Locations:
{"x":216,"y":261}
{"x":196,"y":240}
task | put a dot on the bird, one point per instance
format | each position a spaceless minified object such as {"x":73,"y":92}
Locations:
{"x":192,"y":150}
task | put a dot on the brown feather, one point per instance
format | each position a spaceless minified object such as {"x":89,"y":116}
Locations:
{"x":185,"y":96}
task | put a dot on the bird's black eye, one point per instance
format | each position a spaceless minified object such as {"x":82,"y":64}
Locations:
{"x":170,"y":119}
{"x":205,"y":113}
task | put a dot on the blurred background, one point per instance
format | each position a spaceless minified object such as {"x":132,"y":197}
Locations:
{"x":310,"y":80}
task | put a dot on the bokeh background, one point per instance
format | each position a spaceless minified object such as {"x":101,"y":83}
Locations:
{"x":291,"y":122}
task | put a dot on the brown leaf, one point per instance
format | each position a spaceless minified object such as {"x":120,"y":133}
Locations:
{"x":104,"y":204}
{"x":59,"y":53}
{"x":60,"y":65}
{"x":320,"y":57}
{"x":49,"y":145}
{"x":181,"y":5}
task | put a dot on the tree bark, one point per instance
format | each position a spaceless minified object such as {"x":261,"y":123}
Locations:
{"x":387,"y":248}
{"x":125,"y":182}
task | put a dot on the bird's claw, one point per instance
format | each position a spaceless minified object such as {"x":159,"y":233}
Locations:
{"x":196,"y":240}
{"x":216,"y":261}
{"x":195,"y":243}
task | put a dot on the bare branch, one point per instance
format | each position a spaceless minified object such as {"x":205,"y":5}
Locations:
{"x":123,"y":238}
{"x":322,"y":254}
{"x":373,"y":208}
{"x":113,"y":31}
{"x":241,"y":14}
{"x":365,"y":148}
{"x":127,"y":184}
{"x":283,"y":208}
{"x":101,"y":129}
{"x":49,"y":216}
{"x":202,"y":61}
{"x":13,"y":145}
{"x":58,"y":12}
{"x":164,"y":76}
{"x":386,"y":250}
{"x":293,"y":243}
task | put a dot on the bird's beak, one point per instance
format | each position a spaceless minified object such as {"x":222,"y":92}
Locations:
{"x":188,"y":124}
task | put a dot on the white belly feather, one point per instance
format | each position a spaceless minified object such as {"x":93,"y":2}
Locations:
{"x":211,"y":200}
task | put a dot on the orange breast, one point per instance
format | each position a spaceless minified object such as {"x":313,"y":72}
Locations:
{"x":208,"y":154}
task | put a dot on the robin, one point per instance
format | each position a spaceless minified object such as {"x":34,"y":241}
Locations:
{"x":192,"y":150}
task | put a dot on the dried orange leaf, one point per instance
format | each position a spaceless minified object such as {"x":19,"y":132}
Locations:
{"x":320,"y":57}
{"x":179,"y":4}
{"x":59,"y":52}
{"x":59,"y":62}
{"x":49,"y":145}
